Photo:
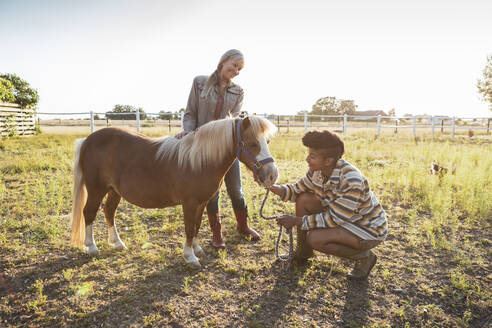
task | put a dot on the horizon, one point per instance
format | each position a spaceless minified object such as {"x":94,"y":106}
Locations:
{"x":418,"y":58}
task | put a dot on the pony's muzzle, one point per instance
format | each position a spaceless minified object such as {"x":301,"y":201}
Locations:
{"x":268,"y":175}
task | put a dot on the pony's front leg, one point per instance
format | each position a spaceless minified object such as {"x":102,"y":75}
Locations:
{"x":190,"y":210}
{"x":198,"y":221}
{"x":197,"y":248}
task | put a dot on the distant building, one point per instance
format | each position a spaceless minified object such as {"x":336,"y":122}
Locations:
{"x":367,"y":115}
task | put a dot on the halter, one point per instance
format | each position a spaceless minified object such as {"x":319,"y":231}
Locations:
{"x":242,"y":148}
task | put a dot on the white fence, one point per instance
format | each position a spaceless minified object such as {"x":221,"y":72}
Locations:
{"x":16,"y":121}
{"x":340,"y":123}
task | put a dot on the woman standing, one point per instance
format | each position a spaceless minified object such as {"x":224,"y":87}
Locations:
{"x":211,"y":98}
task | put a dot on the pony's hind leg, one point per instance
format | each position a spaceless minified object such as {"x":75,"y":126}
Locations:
{"x":94,"y":200}
{"x":110,"y":206}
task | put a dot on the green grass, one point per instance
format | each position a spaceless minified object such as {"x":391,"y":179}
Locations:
{"x":433,"y":270}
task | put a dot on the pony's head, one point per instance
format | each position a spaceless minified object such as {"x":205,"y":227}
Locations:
{"x":252,"y":137}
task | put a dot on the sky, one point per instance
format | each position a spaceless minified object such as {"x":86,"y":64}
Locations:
{"x":414,"y":56}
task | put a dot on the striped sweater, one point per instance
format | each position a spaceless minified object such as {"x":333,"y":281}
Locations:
{"x":347,"y":199}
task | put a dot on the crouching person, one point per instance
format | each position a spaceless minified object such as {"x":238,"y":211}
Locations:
{"x":336,"y":211}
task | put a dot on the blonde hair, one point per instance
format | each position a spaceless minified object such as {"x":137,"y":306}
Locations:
{"x":213,"y":79}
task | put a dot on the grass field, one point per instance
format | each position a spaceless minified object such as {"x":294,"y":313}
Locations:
{"x":434,"y":270}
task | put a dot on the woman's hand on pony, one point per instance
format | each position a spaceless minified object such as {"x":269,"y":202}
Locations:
{"x":181,"y":134}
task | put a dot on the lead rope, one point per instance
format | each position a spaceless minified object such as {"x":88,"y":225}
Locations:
{"x":286,"y":257}
{"x":280,"y":257}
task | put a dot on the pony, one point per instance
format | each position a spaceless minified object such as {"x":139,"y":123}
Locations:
{"x":162,"y":172}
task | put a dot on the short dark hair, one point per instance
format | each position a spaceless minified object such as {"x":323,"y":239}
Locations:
{"x":329,"y":143}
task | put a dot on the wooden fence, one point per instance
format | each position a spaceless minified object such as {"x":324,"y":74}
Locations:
{"x":15,"y":121}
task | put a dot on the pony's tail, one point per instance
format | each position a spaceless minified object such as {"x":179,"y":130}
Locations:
{"x":79,"y":199}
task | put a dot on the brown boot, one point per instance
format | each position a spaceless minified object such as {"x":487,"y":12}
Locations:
{"x":242,"y":224}
{"x":216,"y":228}
{"x":364,"y":261}
{"x":303,"y":251}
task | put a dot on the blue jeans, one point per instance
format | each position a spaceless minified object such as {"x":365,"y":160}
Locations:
{"x":234,"y":188}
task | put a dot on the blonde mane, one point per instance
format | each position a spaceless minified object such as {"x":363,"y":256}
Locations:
{"x":210,"y":144}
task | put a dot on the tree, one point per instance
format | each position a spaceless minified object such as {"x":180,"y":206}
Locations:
{"x":326,"y":106}
{"x":333,"y":106}
{"x":347,"y":107}
{"x":6,"y":91}
{"x":485,"y":86}
{"x":24,"y":95}
{"x":392,"y":112}
{"x":118,"y":113}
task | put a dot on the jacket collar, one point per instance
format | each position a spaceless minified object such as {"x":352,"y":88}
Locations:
{"x":336,"y":173}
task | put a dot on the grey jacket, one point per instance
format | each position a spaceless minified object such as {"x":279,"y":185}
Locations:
{"x":200,"y":110}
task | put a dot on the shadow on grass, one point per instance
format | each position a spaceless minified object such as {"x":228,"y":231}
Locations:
{"x":356,"y":303}
{"x":42,"y":271}
{"x":152,"y":294}
{"x":125,"y":306}
{"x":269,"y":307}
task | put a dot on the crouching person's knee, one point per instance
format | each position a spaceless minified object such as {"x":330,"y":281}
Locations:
{"x":315,"y":242}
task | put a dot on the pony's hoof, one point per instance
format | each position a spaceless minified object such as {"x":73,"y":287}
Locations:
{"x":194,"y":265}
{"x":199,"y":251}
{"x":92,"y":250}
{"x":118,"y":246}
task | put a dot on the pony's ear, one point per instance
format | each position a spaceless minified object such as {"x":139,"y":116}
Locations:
{"x":246,"y":123}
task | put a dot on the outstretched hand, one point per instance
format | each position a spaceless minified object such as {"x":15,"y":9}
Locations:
{"x":275,"y":189}
{"x":288,"y":221}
